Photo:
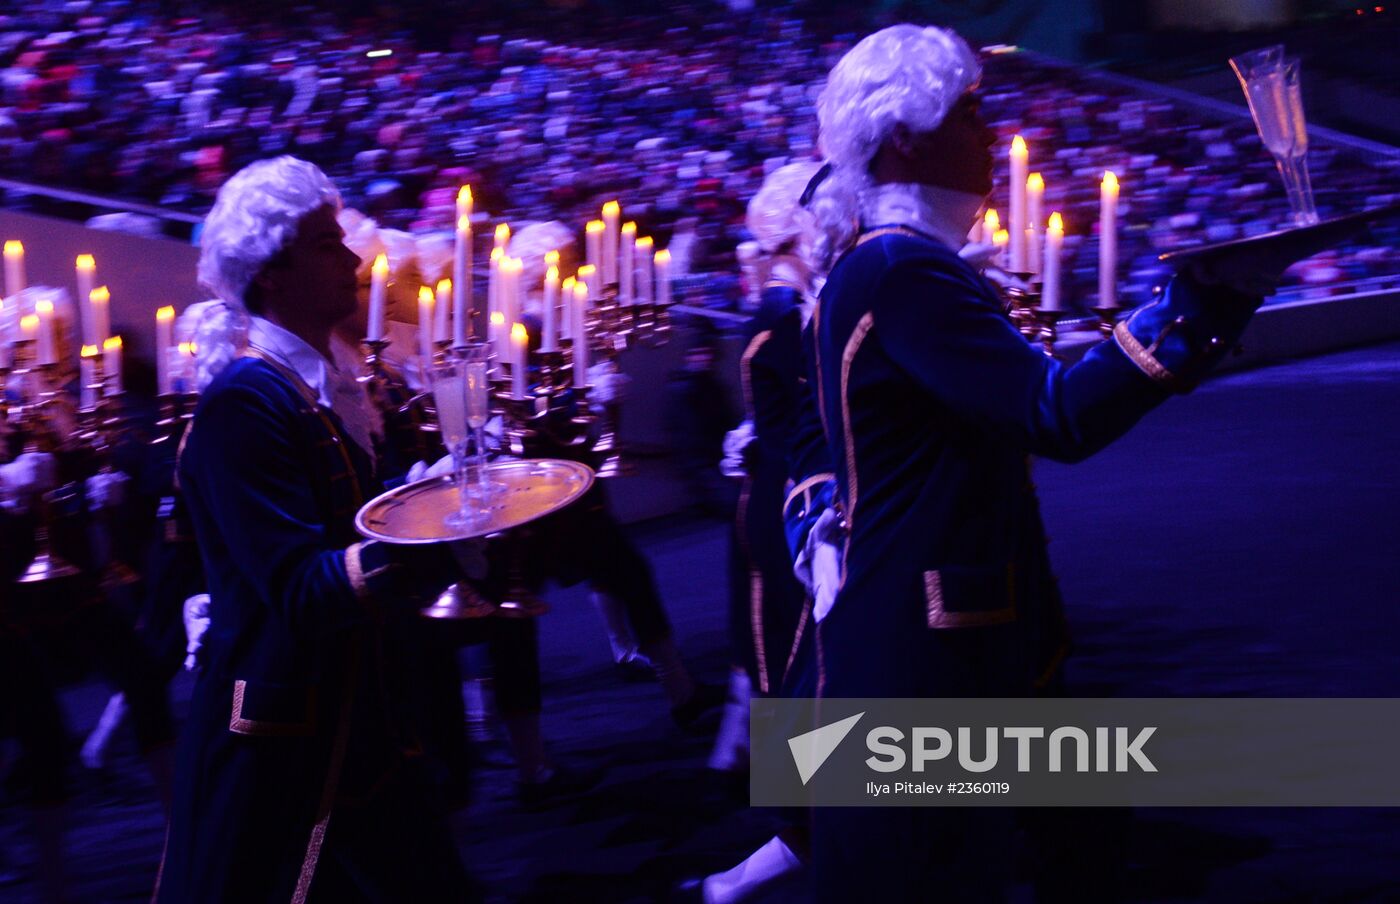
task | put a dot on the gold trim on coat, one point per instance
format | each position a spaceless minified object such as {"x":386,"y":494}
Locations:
{"x":745,"y":374}
{"x":940,"y":618}
{"x":863,"y":327}
{"x":1142,"y":358}
{"x":261,"y":728}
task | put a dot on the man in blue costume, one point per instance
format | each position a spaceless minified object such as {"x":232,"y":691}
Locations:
{"x":932,"y":404}
{"x":296,"y":777}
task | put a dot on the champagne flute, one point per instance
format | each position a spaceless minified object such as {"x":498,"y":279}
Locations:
{"x":1272,"y":86}
{"x":450,"y":399}
{"x":476,"y":383}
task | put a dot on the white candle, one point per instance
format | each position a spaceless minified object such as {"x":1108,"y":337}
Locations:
{"x":112,"y":363}
{"x":99,"y":314}
{"x":4,"y":338}
{"x":644,"y":288}
{"x":626,"y":268}
{"x":1108,"y":240}
{"x":1054,"y":239}
{"x":591,"y":280}
{"x":566,"y":301}
{"x":425,"y":326}
{"x":184,"y":367}
{"x":87,"y":375}
{"x":519,"y":344}
{"x":580,"y":309}
{"x":462,"y":274}
{"x":464,"y":203}
{"x":612,"y":217}
{"x":1035,"y":198}
{"x":496,"y":327}
{"x":502,"y":237}
{"x":14,"y":268}
{"x":510,"y":290}
{"x":493,"y":293}
{"x":46,"y":351}
{"x":991,"y":223}
{"x":86,"y":272}
{"x":663,"y":277}
{"x":1020,"y":162}
{"x":1000,"y":239}
{"x":165,"y":330}
{"x":593,"y":242}
{"x":442,"y":304}
{"x":378,"y":287}
{"x":550,"y":329}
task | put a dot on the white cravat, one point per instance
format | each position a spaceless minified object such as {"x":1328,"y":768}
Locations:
{"x":942,"y":213}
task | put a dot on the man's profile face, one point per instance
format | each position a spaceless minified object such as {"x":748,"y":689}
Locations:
{"x":958,"y":154}
{"x":316,"y":272}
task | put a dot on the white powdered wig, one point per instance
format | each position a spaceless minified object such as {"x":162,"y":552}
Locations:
{"x":775,"y":215}
{"x":219,"y":333}
{"x":255,"y":216}
{"x":902,"y":74}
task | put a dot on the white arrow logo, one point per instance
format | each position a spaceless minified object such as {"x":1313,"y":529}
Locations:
{"x":810,"y":750}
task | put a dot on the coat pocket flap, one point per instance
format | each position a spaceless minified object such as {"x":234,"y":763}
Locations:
{"x":272,"y":710}
{"x":962,"y":597}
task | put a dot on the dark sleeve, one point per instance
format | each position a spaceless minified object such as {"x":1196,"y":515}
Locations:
{"x":808,"y":452}
{"x":939,"y":327}
{"x":774,"y":370}
{"x":246,"y":484}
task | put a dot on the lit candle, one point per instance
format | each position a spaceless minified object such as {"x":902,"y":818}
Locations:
{"x":663,"y":276}
{"x":589,"y":278}
{"x":493,"y":290}
{"x":87,"y":374}
{"x":462,"y":273}
{"x":990,"y":224}
{"x":1035,"y":197}
{"x":14,"y":268}
{"x":99,"y":314}
{"x":1017,"y":187}
{"x":496,"y":328}
{"x":551,"y":259}
{"x":1108,"y":240}
{"x":511,"y":268}
{"x":464,"y":202}
{"x":580,"y":309}
{"x":1000,"y":239}
{"x":378,"y":288}
{"x":442,"y":304}
{"x":566,"y":295}
{"x":4,"y":338}
{"x":519,"y":344}
{"x":184,"y":367}
{"x":593,"y":242}
{"x":1054,"y":239}
{"x":86,"y":272}
{"x":550,"y":331}
{"x":612,"y":216}
{"x":29,"y":327}
{"x":165,"y":330}
{"x":425,"y":325}
{"x":112,"y":363}
{"x":644,"y":270}
{"x":502,"y":236}
{"x":626,"y":268}
{"x":46,"y":352}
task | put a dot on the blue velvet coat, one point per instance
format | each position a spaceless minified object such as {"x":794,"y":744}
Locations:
{"x":932,"y":405}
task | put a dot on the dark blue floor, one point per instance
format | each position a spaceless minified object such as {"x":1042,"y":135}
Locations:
{"x":1242,"y":541}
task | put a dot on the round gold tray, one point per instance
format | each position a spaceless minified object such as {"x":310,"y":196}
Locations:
{"x":417,"y":512}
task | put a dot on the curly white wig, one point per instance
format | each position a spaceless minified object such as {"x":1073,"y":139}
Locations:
{"x":902,"y":74}
{"x":775,"y":214}
{"x":219,"y":333}
{"x":255,"y":216}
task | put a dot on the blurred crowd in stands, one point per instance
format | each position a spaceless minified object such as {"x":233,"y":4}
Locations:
{"x":679,"y":114}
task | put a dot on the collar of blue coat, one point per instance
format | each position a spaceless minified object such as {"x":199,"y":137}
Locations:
{"x":293,"y":353}
{"x":939,"y":213}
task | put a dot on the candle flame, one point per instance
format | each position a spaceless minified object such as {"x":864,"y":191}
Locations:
{"x":464,"y":194}
{"x":551,"y":258}
{"x":1056,"y":223}
{"x":502,"y":234}
{"x":380,"y":267}
{"x":464,"y":224}
{"x":663,"y":256}
{"x":497,"y":254}
{"x":88,"y":351}
{"x":86,"y":262}
{"x":1034,"y":182}
{"x":498,"y":318}
{"x":444,"y":287}
{"x":1001,"y":237}
{"x":1018,"y":146}
{"x":1110,"y":180}
{"x":29,"y":322}
{"x":568,"y":285}
{"x":186,"y":348}
{"x":629,"y":228}
{"x":100,"y":295}
{"x":552,"y":274}
{"x":644,"y":244}
{"x":594,"y":226}
{"x":425,"y":295}
{"x":611,"y":209}
{"x":586,"y":271}
{"x":990,"y":221}
{"x":112,"y":343}
{"x":44,"y":308}
{"x":13,"y":248}
{"x":581,"y":291}
{"x":518,"y":334}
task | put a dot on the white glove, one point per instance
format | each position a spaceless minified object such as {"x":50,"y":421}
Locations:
{"x":421,"y":470}
{"x":818,"y":565}
{"x":735,"y":441}
{"x":106,"y":489}
{"x":978,"y":254}
{"x":609,"y":385}
{"x":196,"y":613}
{"x":26,"y":478}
